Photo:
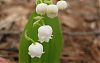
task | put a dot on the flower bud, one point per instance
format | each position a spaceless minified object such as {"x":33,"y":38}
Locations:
{"x":35,"y":50}
{"x":62,"y":5}
{"x":45,"y":33}
{"x":41,"y":8}
{"x":52,"y":11}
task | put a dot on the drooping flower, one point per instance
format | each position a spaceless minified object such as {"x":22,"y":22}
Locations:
{"x":52,"y":11}
{"x":35,"y":50}
{"x":45,"y":33}
{"x":62,"y":5}
{"x":41,"y":8}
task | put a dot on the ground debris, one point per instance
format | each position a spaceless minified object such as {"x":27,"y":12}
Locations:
{"x":80,"y":25}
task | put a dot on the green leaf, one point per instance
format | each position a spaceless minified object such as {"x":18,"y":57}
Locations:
{"x":52,"y":49}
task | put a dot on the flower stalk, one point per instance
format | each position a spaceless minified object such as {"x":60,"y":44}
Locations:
{"x":42,"y":34}
{"x":28,"y":38}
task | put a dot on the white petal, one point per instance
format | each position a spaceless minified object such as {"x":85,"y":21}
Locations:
{"x":44,"y":33}
{"x":35,"y":50}
{"x":62,"y":5}
{"x":32,"y":56}
{"x":47,"y":39}
{"x":41,"y":8}
{"x":39,"y":56}
{"x":41,"y":39}
{"x":29,"y":53}
{"x":50,"y":37}
{"x":43,"y":52}
{"x":52,"y":11}
{"x":52,"y":15}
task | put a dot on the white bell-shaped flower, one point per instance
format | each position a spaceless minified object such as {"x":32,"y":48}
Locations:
{"x":45,"y":33}
{"x":35,"y":50}
{"x":62,"y":5}
{"x":41,"y":8}
{"x":52,"y":11}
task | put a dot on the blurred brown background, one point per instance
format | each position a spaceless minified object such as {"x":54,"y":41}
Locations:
{"x":80,"y":26}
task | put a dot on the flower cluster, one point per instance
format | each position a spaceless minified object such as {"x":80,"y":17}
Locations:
{"x":44,"y":31}
{"x":51,"y":10}
{"x":44,"y":35}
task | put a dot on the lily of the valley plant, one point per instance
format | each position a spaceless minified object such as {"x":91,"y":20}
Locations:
{"x":41,"y":40}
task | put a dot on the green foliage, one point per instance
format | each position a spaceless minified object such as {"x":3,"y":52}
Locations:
{"x":52,"y":49}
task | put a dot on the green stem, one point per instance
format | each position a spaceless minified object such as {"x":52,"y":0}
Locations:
{"x":41,"y":1}
{"x":39,"y":24}
{"x":38,"y":20}
{"x":37,"y":2}
{"x":43,"y":22}
{"x":51,"y":1}
{"x":38,"y":17}
{"x":28,"y":38}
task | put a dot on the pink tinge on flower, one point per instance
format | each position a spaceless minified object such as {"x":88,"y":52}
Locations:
{"x":62,"y":5}
{"x":35,"y":50}
{"x":45,"y":33}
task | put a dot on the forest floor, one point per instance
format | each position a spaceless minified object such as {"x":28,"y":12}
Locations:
{"x":80,"y":26}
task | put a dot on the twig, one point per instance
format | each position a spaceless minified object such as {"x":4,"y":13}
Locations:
{"x":9,"y":32}
{"x":81,"y":33}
